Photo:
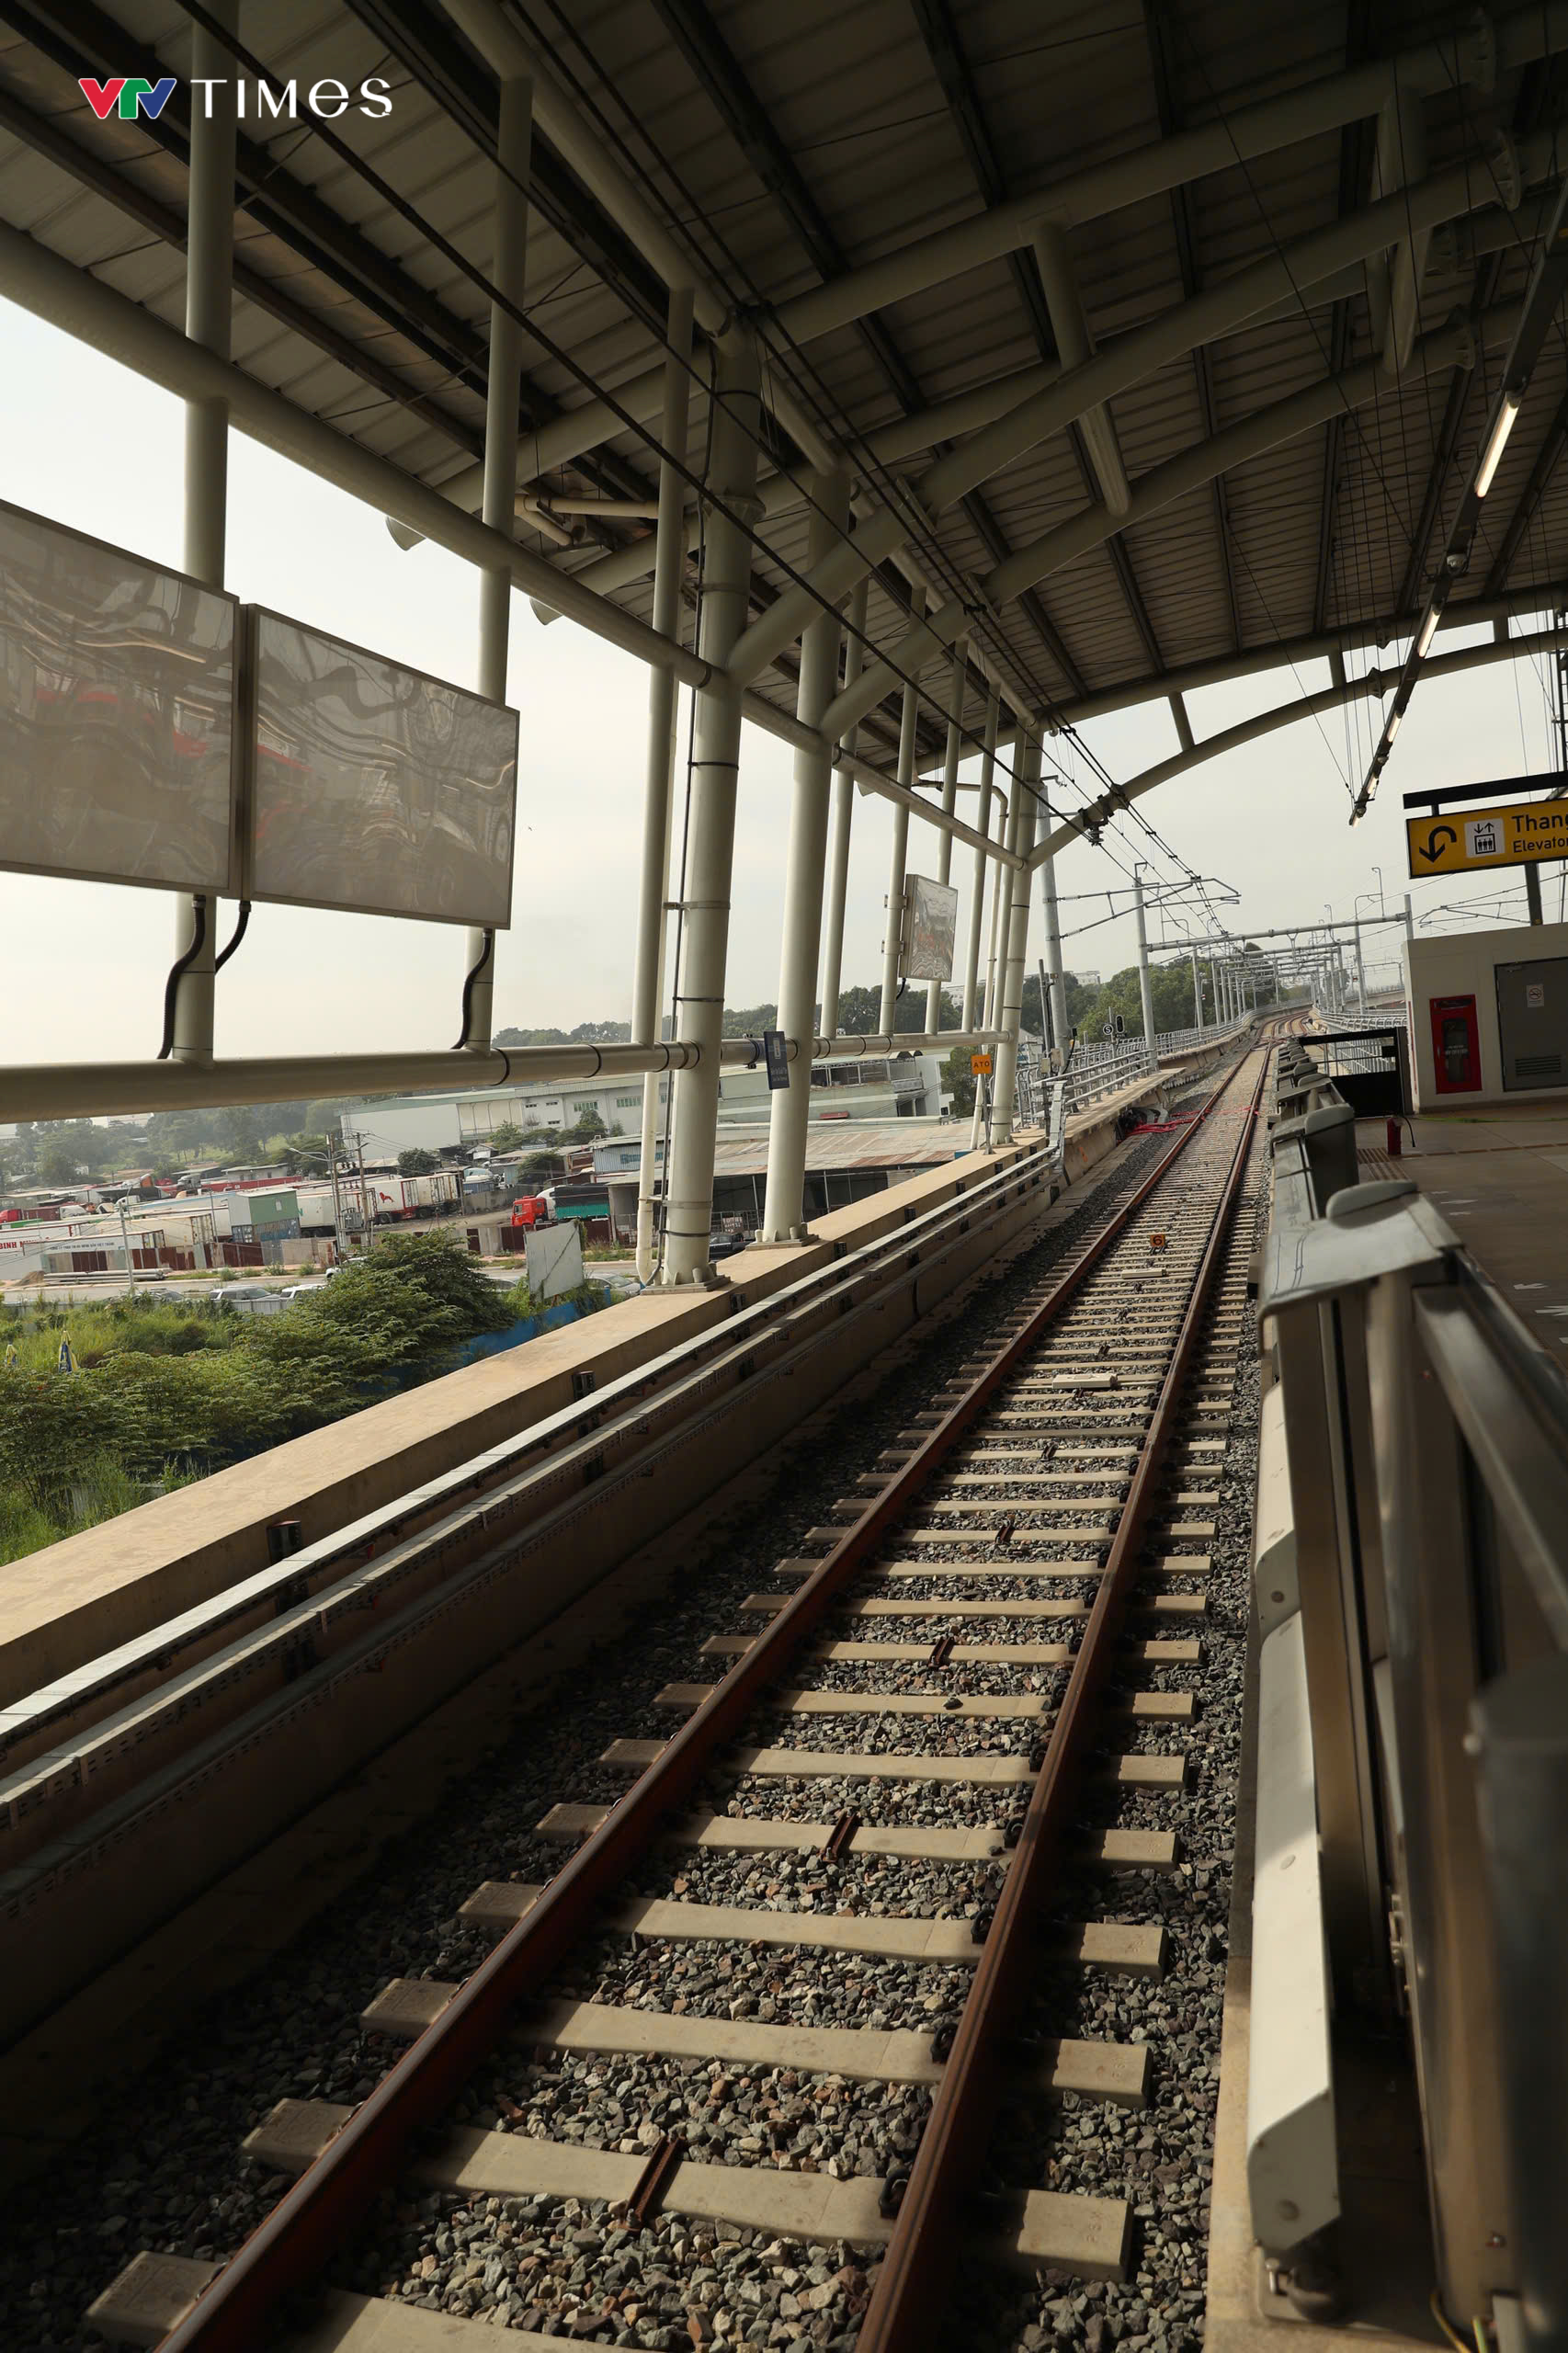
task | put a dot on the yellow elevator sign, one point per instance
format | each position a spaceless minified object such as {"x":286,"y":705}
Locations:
{"x":1515,"y":834}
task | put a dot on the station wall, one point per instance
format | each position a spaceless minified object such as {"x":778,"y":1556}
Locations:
{"x":1488,"y":1016}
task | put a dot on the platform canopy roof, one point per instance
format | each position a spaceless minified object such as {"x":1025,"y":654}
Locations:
{"x":1253,"y":270}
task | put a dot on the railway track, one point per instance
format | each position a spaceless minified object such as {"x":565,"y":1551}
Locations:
{"x":980,"y":1663}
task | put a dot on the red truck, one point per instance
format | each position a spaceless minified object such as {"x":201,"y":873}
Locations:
{"x":533,"y":1209}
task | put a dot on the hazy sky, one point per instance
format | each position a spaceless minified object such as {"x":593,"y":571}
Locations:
{"x":82,"y":967}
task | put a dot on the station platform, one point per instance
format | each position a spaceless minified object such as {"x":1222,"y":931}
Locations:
{"x":1499,"y":1176}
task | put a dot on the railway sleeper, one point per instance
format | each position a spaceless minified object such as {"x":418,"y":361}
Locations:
{"x":1167,"y":1707}
{"x":1126,"y":1947}
{"x":1114,"y":2072}
{"x":1143,"y":1772}
{"x":735,"y":1834}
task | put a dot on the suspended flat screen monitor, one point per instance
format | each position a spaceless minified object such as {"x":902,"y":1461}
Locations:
{"x":374,"y":788}
{"x":117,"y":714}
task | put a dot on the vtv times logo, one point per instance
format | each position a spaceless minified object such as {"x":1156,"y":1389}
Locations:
{"x":131,"y":95}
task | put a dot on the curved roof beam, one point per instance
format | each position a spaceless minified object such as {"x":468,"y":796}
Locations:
{"x":1230,"y":739}
{"x":1173,"y":335}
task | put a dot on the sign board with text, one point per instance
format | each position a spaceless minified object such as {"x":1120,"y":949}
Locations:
{"x":1515,"y":832}
{"x":980,"y":1064}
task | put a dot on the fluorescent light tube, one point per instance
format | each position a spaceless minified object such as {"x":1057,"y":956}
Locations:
{"x":1427,"y":632}
{"x":1496,"y":442}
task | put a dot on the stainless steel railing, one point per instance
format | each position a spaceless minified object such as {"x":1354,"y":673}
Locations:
{"x":1425,"y":1432}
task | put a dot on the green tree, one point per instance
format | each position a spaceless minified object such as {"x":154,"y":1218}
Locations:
{"x":416,"y":1162}
{"x":506,"y":1137}
{"x":244,"y":1132}
{"x":307,"y":1153}
{"x":590,"y":1126}
{"x":958,"y":1078}
{"x":58,"y":1159}
{"x":542,"y":1163}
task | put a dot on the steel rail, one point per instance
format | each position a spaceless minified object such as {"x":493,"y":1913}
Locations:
{"x":307,"y":2226}
{"x":908,"y":2311}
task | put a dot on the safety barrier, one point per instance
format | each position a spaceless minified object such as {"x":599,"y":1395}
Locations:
{"x":1410,"y":1582}
{"x":1186,"y":1041}
{"x":1086,"y":1081}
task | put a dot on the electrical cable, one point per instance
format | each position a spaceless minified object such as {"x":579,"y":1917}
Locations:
{"x":178,"y":970}
{"x":241,"y":927}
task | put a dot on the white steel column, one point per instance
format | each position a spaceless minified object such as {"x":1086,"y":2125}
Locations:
{"x":1196,"y":994}
{"x":783,"y":1216}
{"x":209,"y":312}
{"x":960,"y":678}
{"x":842,"y":818}
{"x":977,"y":891}
{"x":1409,"y":923}
{"x":705,"y":913}
{"x":1052,"y":940}
{"x":1001,"y":900}
{"x":669,"y":561}
{"x":513,"y":140}
{"x":1011,"y":992}
{"x":899,"y":840}
{"x":1360,"y":970}
{"x":1145,"y":987}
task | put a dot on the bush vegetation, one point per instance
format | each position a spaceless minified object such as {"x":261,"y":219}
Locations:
{"x":169,"y":1390}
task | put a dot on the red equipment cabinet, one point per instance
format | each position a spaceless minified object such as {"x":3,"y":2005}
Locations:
{"x":1456,"y":1045}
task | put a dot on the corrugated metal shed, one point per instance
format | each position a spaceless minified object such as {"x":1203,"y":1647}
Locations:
{"x":848,"y":1144}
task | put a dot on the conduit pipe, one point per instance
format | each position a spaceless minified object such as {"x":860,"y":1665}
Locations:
{"x":117,"y":1090}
